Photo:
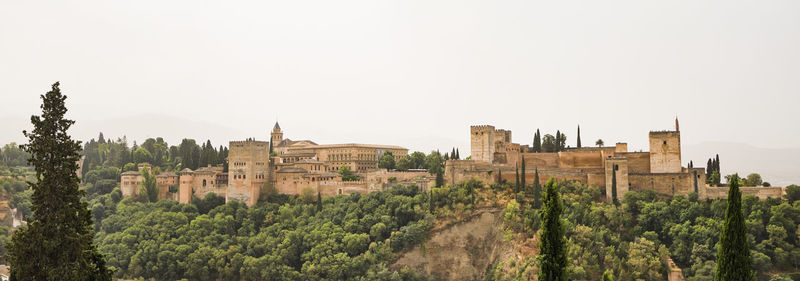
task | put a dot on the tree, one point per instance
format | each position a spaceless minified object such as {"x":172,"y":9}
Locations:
{"x":608,"y":276}
{"x":522,"y":176}
{"x":403,"y":164}
{"x":537,"y":142}
{"x":792,"y":193}
{"x":579,"y":136}
{"x":458,"y":155}
{"x":141,"y":155}
{"x":754,"y":179}
{"x":549,"y":143}
{"x":599,"y":143}
{"x":537,"y":190}
{"x":418,"y":160}
{"x":499,"y":176}
{"x":516,"y":180}
{"x":387,"y":161}
{"x":614,"y":185}
{"x":733,"y":256}
{"x":57,"y":243}
{"x":149,"y":190}
{"x":552,"y":249}
{"x":715,"y":178}
{"x":347,"y":174}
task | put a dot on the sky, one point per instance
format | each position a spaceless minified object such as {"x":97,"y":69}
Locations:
{"x":409,"y":73}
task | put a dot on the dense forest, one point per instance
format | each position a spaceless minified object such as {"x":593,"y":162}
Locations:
{"x":356,"y":237}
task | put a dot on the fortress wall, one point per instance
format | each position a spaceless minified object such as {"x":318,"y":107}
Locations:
{"x":663,"y":183}
{"x":638,"y":162}
{"x":760,"y":192}
{"x":619,"y":166}
{"x":598,"y":179}
{"x":541,"y":160}
{"x":379,"y":179}
{"x":569,"y":159}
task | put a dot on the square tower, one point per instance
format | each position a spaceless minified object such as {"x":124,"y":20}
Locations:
{"x":248,"y":170}
{"x":482,"y":144}
{"x":665,"y":152}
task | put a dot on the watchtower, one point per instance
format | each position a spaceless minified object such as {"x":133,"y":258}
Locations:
{"x":482,"y":143}
{"x":665,"y":151}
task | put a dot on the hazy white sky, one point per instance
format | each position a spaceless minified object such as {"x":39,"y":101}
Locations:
{"x":411,"y":73}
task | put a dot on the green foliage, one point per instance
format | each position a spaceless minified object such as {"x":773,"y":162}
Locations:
{"x":754,"y":179}
{"x":403,"y":164}
{"x":608,"y":276}
{"x":12,"y":155}
{"x":792,"y":193}
{"x":347,"y":174}
{"x":733,"y":257}
{"x":57,"y":243}
{"x":351,"y":238}
{"x":537,"y":142}
{"x":386,"y":161}
{"x":552,"y":249}
{"x":149,"y":190}
{"x":599,"y":143}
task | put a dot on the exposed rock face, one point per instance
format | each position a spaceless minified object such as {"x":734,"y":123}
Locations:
{"x":461,"y":251}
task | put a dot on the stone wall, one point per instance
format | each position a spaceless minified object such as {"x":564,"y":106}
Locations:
{"x":664,"y":183}
{"x":760,"y":192}
{"x":569,"y":159}
{"x":248,"y":170}
{"x":638,"y":162}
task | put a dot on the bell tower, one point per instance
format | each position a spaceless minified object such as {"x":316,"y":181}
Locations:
{"x":277,"y":135}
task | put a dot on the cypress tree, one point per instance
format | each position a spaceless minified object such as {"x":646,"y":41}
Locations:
{"x":499,"y":176}
{"x":439,"y":179}
{"x":453,"y":153}
{"x":552,"y":248}
{"x":716,"y":164}
{"x":579,"y":136}
{"x":537,"y":190}
{"x":709,"y":168}
{"x":733,"y":256}
{"x":516,"y":181}
{"x":522,"y":176}
{"x":614,"y":185}
{"x":319,"y":201}
{"x":537,"y":141}
{"x":57,"y":243}
{"x":458,"y":155}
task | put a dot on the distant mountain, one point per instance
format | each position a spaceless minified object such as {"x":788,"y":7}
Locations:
{"x":779,"y":167}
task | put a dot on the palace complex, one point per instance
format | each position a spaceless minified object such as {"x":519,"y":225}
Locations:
{"x":290,"y":166}
{"x":294,"y":166}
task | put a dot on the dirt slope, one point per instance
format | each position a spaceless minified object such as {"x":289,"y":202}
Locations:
{"x":461,"y":251}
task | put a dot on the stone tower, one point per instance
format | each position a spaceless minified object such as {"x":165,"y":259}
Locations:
{"x":248,"y":170}
{"x":665,"y":152}
{"x":277,"y":135}
{"x":482,"y":143}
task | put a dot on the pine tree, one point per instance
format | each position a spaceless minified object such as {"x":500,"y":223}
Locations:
{"x":57,"y":243}
{"x":579,"y":136}
{"x":522,"y":177}
{"x":552,"y":248}
{"x":733,"y":256}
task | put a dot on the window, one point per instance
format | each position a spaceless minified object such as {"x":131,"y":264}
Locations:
{"x":204,"y":183}
{"x":665,"y":142}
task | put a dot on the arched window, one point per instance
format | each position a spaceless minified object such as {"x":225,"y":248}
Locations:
{"x":204,"y":183}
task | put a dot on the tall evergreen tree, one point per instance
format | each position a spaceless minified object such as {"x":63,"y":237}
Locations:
{"x":537,"y":190}
{"x":579,"y":136}
{"x":453,"y":154}
{"x":458,"y":155}
{"x":57,"y":243}
{"x":439,"y":179}
{"x":537,"y":141}
{"x":522,"y":177}
{"x":716,"y":164}
{"x":499,"y":176}
{"x":709,"y":168}
{"x":319,"y":201}
{"x":553,"y":246}
{"x":614,"y":185}
{"x":733,"y":255}
{"x":516,"y":181}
